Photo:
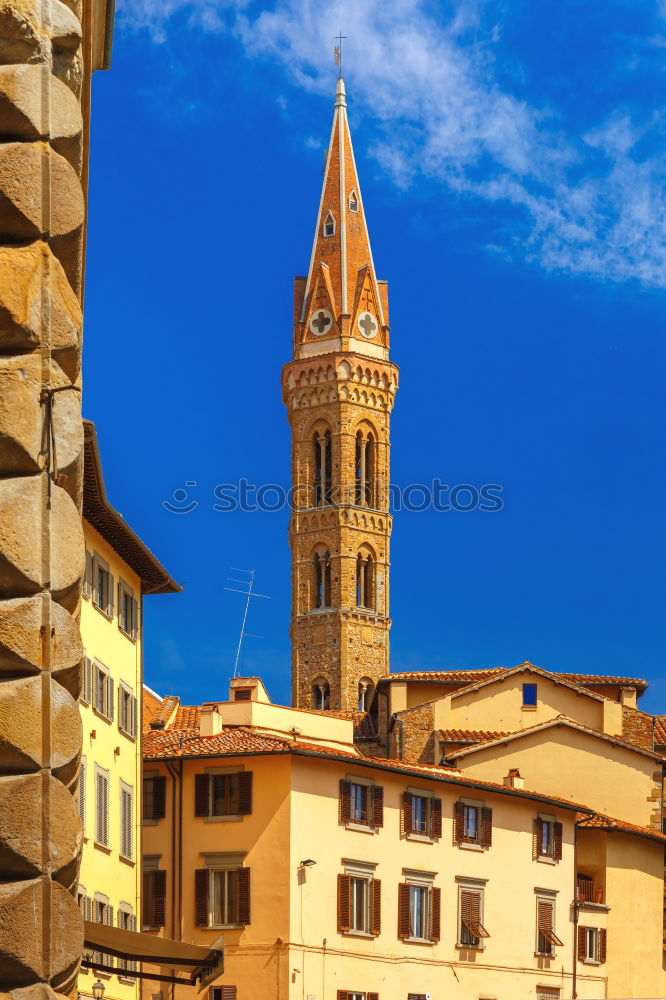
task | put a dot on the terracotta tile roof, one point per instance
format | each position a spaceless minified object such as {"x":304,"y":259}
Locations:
{"x":188,"y":743}
{"x":604,"y":679}
{"x":474,"y":676}
{"x":186,"y":717}
{"x":660,"y":730}
{"x":597,"y":821}
{"x":469,"y":735}
{"x":151,"y":704}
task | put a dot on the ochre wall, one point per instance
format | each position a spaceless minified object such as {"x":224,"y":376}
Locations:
{"x":498,"y":706}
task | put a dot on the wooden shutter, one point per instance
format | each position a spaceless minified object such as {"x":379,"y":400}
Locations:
{"x":110,"y":591}
{"x":109,"y":959}
{"x":201,"y":786}
{"x":345,"y":801}
{"x":158,"y":916}
{"x":536,"y":838}
{"x":87,"y":908}
{"x":377,"y":806}
{"x":404,"y":922}
{"x":227,"y":992}
{"x":343,"y":995}
{"x":465,"y":912}
{"x":344,"y":903}
{"x":435,"y":913}
{"x":135,"y":618}
{"x":436,"y":818}
{"x":87,"y":575}
{"x":159,"y":797}
{"x":557,"y":841}
{"x":372,"y":996}
{"x":125,"y":822}
{"x":109,"y":698}
{"x":244,"y":896}
{"x":459,"y":822}
{"x":407,"y":812}
{"x":486,"y":827}
{"x":201,"y":878}
{"x":245,"y":793}
{"x":602,"y":945}
{"x":101,"y":809}
{"x":82,"y":794}
{"x":375,"y":906}
{"x":86,"y":679}
{"x":582,"y":944}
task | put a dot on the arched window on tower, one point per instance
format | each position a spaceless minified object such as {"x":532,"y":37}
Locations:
{"x":322,"y":579}
{"x":321,"y":694}
{"x":365,"y":468}
{"x":365,"y":690}
{"x":353,"y":202}
{"x":329,"y":225}
{"x":322,"y":468}
{"x":365,"y":581}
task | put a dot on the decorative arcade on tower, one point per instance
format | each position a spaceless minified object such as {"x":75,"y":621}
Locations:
{"x":339,"y":390}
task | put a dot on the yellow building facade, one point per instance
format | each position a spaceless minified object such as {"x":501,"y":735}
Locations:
{"x":119,"y":571}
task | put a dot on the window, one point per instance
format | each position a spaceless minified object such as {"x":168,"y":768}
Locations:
{"x":529,"y":695}
{"x":225,"y":794}
{"x":84,"y":902}
{"x":329,"y":225}
{"x":86,"y":679}
{"x":322,"y":468}
{"x":154,"y":893}
{"x":422,"y":815}
{"x":471,"y":931}
{"x":102,"y":692}
{"x":359,"y":900}
{"x":361,"y":804}
{"x":101,"y":807}
{"x":355,"y":995}
{"x":419,"y":908}
{"x":353,"y":202}
{"x":365,"y":690}
{"x":102,"y":586}
{"x":547,"y":939}
{"x":127,"y":711}
{"x":127,"y":922}
{"x":82,"y":794}
{"x":365,"y":581}
{"x":548,"y":993}
{"x":242,"y":694}
{"x":222,"y":993}
{"x":547,"y":838}
{"x":222,"y":897}
{"x":102,"y":914}
{"x":473,"y":824}
{"x":88,"y":575}
{"x":128,"y":610}
{"x":126,"y":820}
{"x":321,"y":694}
{"x":154,"y":797}
{"x":322,"y":574}
{"x":365,"y":468}
{"x":592,"y":945}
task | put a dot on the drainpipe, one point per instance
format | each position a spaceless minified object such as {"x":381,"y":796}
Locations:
{"x":574,"y":984}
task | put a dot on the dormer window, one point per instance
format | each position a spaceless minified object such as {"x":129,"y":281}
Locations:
{"x":353,"y":202}
{"x":329,"y":225}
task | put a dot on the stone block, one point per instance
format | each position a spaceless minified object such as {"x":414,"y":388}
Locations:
{"x":31,"y":280}
{"x":22,"y":706}
{"x":25,"y":908}
{"x":20,"y":645}
{"x":27,"y":113}
{"x":23,"y":799}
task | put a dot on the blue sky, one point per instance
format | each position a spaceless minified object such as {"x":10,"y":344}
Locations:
{"x":512,"y":160}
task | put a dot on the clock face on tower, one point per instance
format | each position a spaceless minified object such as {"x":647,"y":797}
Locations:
{"x":368,"y":325}
{"x":321,"y":322}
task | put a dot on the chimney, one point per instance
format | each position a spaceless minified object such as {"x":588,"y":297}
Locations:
{"x":513,"y":779}
{"x":210,"y":720}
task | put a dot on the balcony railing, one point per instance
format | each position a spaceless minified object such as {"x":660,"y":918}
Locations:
{"x":589,"y":892}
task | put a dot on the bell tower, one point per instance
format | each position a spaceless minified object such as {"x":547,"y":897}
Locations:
{"x":339,"y":390}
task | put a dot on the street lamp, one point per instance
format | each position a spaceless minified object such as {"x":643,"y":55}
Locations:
{"x":98,"y":989}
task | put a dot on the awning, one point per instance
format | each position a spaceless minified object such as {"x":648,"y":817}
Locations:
{"x":202,"y":963}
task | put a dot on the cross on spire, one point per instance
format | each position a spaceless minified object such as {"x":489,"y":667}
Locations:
{"x":337,"y":53}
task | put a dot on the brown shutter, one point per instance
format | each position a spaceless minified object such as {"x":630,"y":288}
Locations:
{"x":377,"y":806}
{"x":244,"y":896}
{"x":201,"y":877}
{"x":436,"y":818}
{"x":582,"y":943}
{"x":557,"y":841}
{"x":228,"y":993}
{"x":159,"y":898}
{"x":407,"y":812}
{"x":465,"y":911}
{"x":403,"y":910}
{"x":436,"y":909}
{"x":486,"y":827}
{"x":459,"y":822}
{"x":602,"y":945}
{"x":345,"y":801}
{"x":159,"y":797}
{"x":201,"y":785}
{"x":344,"y":903}
{"x":375,"y":906}
{"x":372,"y":996}
{"x":343,"y":994}
{"x":245,"y":793}
{"x":536,"y":838}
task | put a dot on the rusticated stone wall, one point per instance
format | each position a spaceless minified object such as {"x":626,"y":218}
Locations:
{"x":43,"y":74}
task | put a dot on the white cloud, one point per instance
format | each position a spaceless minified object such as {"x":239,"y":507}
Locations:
{"x":587,"y":204}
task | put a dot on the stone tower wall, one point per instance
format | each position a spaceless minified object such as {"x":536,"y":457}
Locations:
{"x":44,"y":81}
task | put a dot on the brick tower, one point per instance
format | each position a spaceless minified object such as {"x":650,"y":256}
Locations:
{"x":339,"y":392}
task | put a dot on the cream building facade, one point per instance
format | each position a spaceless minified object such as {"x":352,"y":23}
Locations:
{"x":120,"y":570}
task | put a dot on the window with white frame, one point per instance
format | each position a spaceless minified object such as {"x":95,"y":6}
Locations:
{"x":359,"y":899}
{"x":547,"y":838}
{"x":473,"y":824}
{"x":101,"y":807}
{"x":418,"y":907}
{"x":422,"y":814}
{"x":126,"y":820}
{"x":222,"y":892}
{"x":471,"y":931}
{"x":126,"y":922}
{"x":546,"y":938}
{"x":102,"y":690}
{"x":329,"y":225}
{"x":102,"y":586}
{"x":128,"y":610}
{"x":591,"y":945}
{"x":353,"y":201}
{"x":127,"y":710}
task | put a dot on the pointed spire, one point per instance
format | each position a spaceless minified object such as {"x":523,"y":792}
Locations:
{"x":340,"y":305}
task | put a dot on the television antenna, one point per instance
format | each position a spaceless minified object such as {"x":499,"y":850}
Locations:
{"x":248,"y":593}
